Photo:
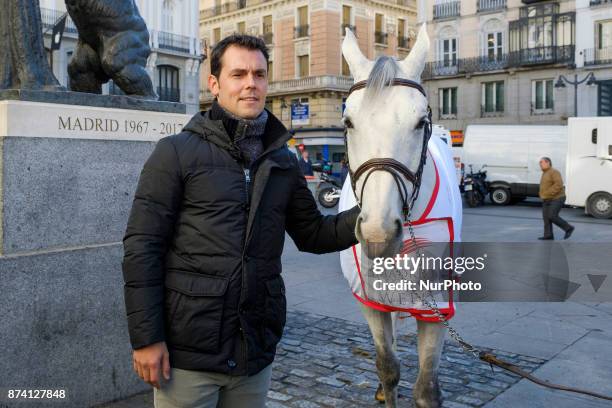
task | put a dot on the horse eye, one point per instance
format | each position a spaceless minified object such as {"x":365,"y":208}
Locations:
{"x":347,"y":122}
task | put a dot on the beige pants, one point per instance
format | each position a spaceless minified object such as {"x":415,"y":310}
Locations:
{"x":198,"y":389}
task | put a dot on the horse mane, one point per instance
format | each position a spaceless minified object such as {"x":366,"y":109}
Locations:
{"x":384,"y":71}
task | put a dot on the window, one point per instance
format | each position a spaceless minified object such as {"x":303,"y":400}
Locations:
{"x":347,"y":18}
{"x":604,"y":98}
{"x":167,"y":16}
{"x":492,"y":97}
{"x":270,"y":71}
{"x":345,"y":68}
{"x":241,"y":27}
{"x":378,"y":23}
{"x":449,"y":52}
{"x":267,"y":24}
{"x":303,"y":66}
{"x":216,"y":35}
{"x":542,"y":95}
{"x":303,"y":15}
{"x":168,"y":86}
{"x":267,"y":29}
{"x":302,"y":23}
{"x":401,"y":27}
{"x":448,"y":102}
{"x":603,"y":34}
{"x":494,"y":46}
{"x":380,"y":37}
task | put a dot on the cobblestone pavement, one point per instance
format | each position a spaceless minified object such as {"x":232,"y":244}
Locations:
{"x":329,"y":362}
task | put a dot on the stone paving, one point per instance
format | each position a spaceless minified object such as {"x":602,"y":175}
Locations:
{"x":329,"y":362}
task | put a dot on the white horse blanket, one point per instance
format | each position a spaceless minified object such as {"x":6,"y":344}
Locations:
{"x":437,"y":228}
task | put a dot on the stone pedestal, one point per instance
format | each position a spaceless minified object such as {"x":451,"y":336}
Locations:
{"x":67,"y":179}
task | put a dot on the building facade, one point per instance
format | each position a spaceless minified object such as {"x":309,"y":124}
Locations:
{"x":499,"y":61}
{"x":594,"y":54}
{"x":308,"y":78}
{"x":175,"y":47}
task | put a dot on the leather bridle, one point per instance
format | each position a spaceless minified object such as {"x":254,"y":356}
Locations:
{"x":392,"y":166}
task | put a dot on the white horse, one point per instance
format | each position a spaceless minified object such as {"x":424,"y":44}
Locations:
{"x":386,"y":121}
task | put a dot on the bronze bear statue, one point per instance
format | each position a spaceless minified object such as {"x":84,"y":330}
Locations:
{"x":113,"y":44}
{"x":23,"y":63}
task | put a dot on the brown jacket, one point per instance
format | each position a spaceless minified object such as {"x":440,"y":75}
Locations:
{"x":551,"y":185}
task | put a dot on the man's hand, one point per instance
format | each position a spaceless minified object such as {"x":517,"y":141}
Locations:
{"x":151,"y":361}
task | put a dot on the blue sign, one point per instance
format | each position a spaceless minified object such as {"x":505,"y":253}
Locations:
{"x":300,"y":114}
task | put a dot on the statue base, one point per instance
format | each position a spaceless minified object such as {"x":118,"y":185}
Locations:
{"x":90,"y":99}
{"x":67,"y":180}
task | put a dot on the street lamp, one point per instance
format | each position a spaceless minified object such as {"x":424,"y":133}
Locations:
{"x":590,"y":81}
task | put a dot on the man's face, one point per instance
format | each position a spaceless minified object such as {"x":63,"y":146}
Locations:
{"x":305,"y":155}
{"x":243,"y":82}
{"x":544,"y":165}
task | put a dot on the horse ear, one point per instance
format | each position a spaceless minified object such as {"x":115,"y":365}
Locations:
{"x":359,"y":65}
{"x":414,"y":63}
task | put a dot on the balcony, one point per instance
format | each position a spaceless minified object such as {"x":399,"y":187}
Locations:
{"x":381,"y":38}
{"x":403,"y":42}
{"x":435,"y":69}
{"x":300,"y":31}
{"x":600,"y":2}
{"x":542,"y":35}
{"x":598,"y":56}
{"x":542,"y":55}
{"x":49,"y":18}
{"x":169,"y":94}
{"x":484,"y":63}
{"x":224,"y":8}
{"x":491,"y":5}
{"x":446,"y":9}
{"x":268,"y":38}
{"x":464,"y":66}
{"x":173,"y":42}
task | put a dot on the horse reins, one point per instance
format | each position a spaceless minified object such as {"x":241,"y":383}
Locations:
{"x":392,"y":166}
{"x":397,"y":170}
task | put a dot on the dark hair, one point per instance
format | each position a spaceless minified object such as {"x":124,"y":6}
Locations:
{"x":241,"y":40}
{"x":547,"y":159}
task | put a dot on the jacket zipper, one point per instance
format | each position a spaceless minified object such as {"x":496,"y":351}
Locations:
{"x":247,"y":182}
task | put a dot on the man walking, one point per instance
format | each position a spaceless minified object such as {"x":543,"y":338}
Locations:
{"x":552,"y":193}
{"x":204,"y":296}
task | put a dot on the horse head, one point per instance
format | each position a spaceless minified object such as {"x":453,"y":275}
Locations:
{"x":384,"y":121}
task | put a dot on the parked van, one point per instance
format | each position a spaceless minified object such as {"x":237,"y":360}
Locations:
{"x":588,"y":178}
{"x":511,"y":154}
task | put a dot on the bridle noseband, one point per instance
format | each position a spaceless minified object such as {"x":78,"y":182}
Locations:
{"x":392,"y":166}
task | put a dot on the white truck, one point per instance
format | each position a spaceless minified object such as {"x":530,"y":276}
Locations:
{"x":510,"y":154}
{"x":581,"y":151}
{"x":588,"y":174}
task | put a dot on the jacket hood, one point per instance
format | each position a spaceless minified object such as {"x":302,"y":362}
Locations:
{"x":275,"y":133}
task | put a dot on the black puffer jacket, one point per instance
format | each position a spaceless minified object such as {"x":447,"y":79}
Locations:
{"x":203,"y":247}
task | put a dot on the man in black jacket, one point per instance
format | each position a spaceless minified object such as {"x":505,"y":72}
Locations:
{"x":204,"y":296}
